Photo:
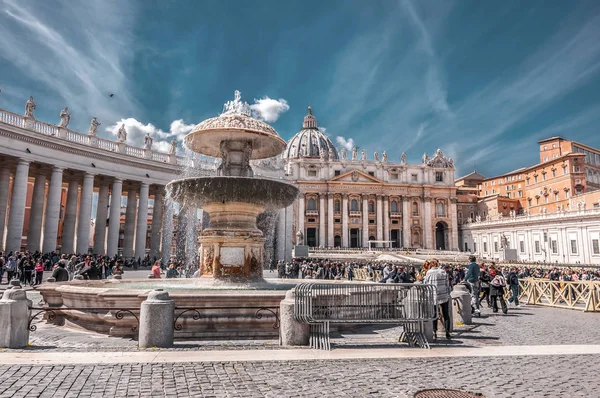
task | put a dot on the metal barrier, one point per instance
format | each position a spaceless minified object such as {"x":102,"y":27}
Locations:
{"x":409,"y":305}
{"x":577,"y":295}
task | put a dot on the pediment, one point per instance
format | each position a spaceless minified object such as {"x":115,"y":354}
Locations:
{"x":356,"y":176}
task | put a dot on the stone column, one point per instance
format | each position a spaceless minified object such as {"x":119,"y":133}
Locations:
{"x":386,"y":218}
{"x":4,"y":187}
{"x":301,"y":217}
{"x":379,"y":219}
{"x":345,"y":220}
{"x":142,"y":222}
{"x":101,"y":217}
{"x":167,"y":232}
{"x":427,"y":238}
{"x":330,"y":220}
{"x":365,"y":221}
{"x":14,"y":318}
{"x":36,"y":215}
{"x":129,"y":230}
{"x":322,"y":220}
{"x":156,"y":320}
{"x":291,"y":332}
{"x":454,"y":226}
{"x":85,"y":214}
{"x":70,"y":220}
{"x":16,"y":217}
{"x":52,"y":210}
{"x":405,"y":222}
{"x":157,"y":215}
{"x":112,"y":244}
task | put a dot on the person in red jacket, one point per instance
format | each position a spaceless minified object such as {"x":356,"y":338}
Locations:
{"x":39,"y":271}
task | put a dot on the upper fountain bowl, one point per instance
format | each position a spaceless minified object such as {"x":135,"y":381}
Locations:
{"x":235,"y":124}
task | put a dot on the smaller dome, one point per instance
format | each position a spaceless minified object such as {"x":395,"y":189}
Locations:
{"x":310,"y":142}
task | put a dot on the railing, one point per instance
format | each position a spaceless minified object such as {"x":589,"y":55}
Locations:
{"x":11,"y":118}
{"x":73,"y":136}
{"x":533,"y":217}
{"x":580,"y":295}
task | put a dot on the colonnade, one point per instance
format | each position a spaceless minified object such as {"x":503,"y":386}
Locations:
{"x":46,"y":200}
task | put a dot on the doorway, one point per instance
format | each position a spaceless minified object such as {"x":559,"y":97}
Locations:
{"x":311,"y":237}
{"x":441,"y":236}
{"x":354,"y":237}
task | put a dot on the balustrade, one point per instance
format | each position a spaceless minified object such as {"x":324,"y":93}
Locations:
{"x":11,"y":118}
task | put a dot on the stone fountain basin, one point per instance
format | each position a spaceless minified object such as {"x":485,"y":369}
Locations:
{"x":270,"y":193}
{"x":236,"y":322}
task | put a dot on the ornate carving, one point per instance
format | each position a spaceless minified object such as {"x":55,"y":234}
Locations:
{"x":208,"y":259}
{"x":440,"y":161}
{"x":355,"y":175}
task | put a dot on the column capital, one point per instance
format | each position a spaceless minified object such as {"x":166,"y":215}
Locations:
{"x":24,"y":162}
{"x":117,"y":180}
{"x":89,"y":175}
{"x":144,"y":184}
{"x":58,"y":168}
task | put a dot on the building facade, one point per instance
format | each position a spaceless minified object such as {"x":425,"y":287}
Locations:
{"x":348,"y":200}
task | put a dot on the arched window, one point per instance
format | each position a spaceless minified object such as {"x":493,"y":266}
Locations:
{"x":311,"y":205}
{"x":394,"y":206}
{"x":354,"y":205}
{"x":371,"y":206}
{"x":440,"y":210}
{"x":336,"y":206}
{"x":415,"y":209}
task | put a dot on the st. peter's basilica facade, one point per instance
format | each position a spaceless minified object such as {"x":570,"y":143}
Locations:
{"x":347,"y":200}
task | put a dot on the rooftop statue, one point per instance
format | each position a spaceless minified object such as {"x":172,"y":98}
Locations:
{"x":363,"y":155}
{"x":354,"y":153}
{"x":148,"y":141}
{"x":65,"y":117}
{"x":30,"y":107}
{"x":122,"y":134}
{"x":330,"y":153}
{"x":344,"y":154}
{"x":237,"y":106}
{"x":425,"y":157}
{"x":173,"y":149}
{"x":403,"y":158}
{"x":94,"y":126}
{"x":384,"y":157}
{"x":376,"y":156}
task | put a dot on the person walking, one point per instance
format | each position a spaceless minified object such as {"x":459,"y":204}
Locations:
{"x":472,"y":278}
{"x":485,"y":279}
{"x":497,"y":286}
{"x":39,"y":271}
{"x":439,"y":279}
{"x":513,"y":285}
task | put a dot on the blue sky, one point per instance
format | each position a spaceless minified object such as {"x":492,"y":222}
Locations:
{"x":482,"y":80}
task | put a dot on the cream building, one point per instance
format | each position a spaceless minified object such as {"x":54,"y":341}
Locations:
{"x":348,"y":200}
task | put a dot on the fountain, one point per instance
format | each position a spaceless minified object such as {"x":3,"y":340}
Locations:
{"x":230,"y":289}
{"x":232,"y":246}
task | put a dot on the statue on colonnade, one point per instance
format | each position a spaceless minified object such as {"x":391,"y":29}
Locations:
{"x":148,"y":141}
{"x":122,"y":134}
{"x":65,"y":117}
{"x":30,"y":107}
{"x":94,"y":127}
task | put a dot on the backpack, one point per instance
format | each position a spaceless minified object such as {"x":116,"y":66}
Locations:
{"x":498,"y":281}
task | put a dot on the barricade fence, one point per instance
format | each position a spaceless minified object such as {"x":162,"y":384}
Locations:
{"x":577,"y":295}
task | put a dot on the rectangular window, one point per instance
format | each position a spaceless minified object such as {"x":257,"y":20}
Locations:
{"x":544,"y":177}
{"x":414,"y":177}
{"x":520,"y":194}
{"x":485,"y":247}
{"x":556,"y":196}
{"x":595,"y":246}
{"x":439,"y":176}
{"x":474,"y":246}
{"x":338,"y":220}
{"x":312,"y":173}
{"x":537,"y":246}
{"x":495,"y":247}
{"x":573,"y":246}
{"x":553,"y":173}
{"x":535,"y":179}
{"x":576,"y":169}
{"x":522,"y":246}
{"x":565,"y":170}
{"x":372,"y":173}
{"x":554,"y":247}
{"x":336,"y":173}
{"x":393,"y":176}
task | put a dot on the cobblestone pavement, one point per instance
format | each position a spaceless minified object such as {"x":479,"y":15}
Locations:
{"x":549,"y":376}
{"x":525,"y":325}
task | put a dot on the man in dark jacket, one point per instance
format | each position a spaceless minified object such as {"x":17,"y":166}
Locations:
{"x":472,"y":278}
{"x":513,"y":284}
{"x":60,"y":274}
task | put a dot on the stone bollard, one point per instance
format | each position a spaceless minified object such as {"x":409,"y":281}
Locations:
{"x":156,"y":320}
{"x":291,"y":332}
{"x":14,"y":318}
{"x":461,"y":294}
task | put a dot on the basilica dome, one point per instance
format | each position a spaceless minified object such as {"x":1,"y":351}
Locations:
{"x":310,"y":142}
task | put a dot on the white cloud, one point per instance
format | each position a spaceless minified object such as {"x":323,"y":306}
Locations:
{"x":345,"y":143}
{"x":136,"y":131}
{"x":323,"y":130}
{"x":269,"y":109}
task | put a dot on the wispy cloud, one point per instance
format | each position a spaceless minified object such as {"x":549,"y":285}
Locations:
{"x":269,"y":109}
{"x":77,"y":50}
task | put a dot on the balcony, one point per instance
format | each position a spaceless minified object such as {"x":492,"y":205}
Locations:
{"x":355,"y":213}
{"x":312,"y":212}
{"x":395,"y":214}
